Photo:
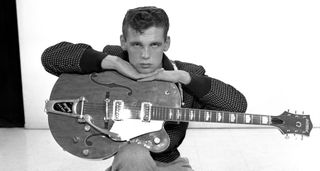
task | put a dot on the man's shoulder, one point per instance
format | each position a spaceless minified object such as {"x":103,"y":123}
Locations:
{"x":190,"y":67}
{"x":115,"y":50}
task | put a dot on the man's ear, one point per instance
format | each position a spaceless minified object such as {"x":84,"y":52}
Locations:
{"x":167,"y":44}
{"x":123,"y":42}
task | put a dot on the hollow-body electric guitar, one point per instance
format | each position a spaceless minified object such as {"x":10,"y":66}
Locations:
{"x":92,"y":116}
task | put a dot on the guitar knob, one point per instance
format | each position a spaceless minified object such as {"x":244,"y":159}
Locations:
{"x":156,"y":140}
{"x":87,"y":128}
{"x":76,"y":139}
{"x":85,"y":152}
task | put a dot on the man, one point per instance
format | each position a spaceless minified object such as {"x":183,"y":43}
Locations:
{"x":141,"y":57}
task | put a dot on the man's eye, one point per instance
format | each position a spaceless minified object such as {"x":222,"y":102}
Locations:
{"x":155,"y":45}
{"x":136,"y":44}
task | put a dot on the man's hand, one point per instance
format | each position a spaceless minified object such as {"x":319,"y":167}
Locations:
{"x":124,"y":67}
{"x":170,"y":76}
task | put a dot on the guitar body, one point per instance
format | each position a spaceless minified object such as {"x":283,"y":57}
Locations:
{"x":85,"y":139}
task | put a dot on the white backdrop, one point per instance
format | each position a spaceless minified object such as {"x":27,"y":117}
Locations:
{"x":266,"y":49}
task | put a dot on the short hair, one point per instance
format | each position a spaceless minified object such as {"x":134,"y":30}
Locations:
{"x":142,"y":18}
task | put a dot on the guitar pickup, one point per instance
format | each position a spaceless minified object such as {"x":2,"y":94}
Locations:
{"x":145,"y":112}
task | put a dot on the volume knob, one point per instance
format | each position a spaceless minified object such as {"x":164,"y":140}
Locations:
{"x":156,"y":140}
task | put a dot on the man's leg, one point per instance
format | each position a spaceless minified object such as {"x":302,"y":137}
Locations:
{"x":133,"y":157}
{"x":180,"y":164}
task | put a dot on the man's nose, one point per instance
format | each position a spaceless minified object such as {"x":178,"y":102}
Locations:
{"x":146,"y":53}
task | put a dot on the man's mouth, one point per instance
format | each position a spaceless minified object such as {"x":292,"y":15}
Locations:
{"x":145,"y":65}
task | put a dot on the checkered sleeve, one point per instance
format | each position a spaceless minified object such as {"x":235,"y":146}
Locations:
{"x":66,"y":57}
{"x":212,"y":93}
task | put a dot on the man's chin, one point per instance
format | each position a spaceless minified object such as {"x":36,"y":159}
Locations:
{"x":145,"y":70}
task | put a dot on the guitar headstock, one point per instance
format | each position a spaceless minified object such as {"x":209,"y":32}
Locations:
{"x":290,"y":123}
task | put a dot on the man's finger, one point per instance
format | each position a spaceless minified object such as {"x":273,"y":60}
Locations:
{"x":156,"y":72}
{"x":151,"y":78}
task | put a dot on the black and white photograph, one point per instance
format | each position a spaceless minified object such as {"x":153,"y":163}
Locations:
{"x":147,"y":85}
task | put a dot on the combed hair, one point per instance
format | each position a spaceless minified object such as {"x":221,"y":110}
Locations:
{"x":142,"y":18}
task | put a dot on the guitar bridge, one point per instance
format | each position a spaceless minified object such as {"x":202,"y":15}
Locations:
{"x":65,"y":107}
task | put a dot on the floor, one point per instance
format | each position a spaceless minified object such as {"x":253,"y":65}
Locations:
{"x":207,"y":149}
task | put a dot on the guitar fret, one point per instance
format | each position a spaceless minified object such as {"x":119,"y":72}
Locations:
{"x":170,"y":114}
{"x":178,"y":114}
{"x":186,"y":116}
{"x":202,"y":115}
{"x":152,"y":113}
{"x":237,"y":117}
{"x":256,"y":119}
{"x":240,"y":118}
{"x":211,"y":116}
{"x":225,"y":118}
{"x":158,"y":115}
{"x":163,"y":117}
{"x":189,"y":114}
{"x":260,"y":120}
{"x":217,"y":117}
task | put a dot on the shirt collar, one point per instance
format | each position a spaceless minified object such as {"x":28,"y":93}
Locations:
{"x":166,"y":63}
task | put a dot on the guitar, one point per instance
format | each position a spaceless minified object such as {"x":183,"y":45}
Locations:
{"x":92,"y":116}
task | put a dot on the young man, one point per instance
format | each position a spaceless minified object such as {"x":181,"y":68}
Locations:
{"x":141,"y":57}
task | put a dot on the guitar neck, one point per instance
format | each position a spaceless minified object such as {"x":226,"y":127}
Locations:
{"x":202,"y":115}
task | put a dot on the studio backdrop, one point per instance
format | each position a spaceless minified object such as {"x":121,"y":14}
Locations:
{"x":268,"y":50}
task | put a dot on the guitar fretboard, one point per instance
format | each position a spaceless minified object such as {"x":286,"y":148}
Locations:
{"x":202,"y":115}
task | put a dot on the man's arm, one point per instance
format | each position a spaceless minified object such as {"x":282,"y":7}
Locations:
{"x":66,"y":57}
{"x":81,"y":58}
{"x":212,"y":93}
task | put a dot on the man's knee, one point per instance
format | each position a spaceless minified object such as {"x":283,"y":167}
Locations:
{"x":133,"y":157}
{"x":134,"y":153}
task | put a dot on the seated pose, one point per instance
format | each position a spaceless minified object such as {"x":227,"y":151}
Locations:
{"x":141,"y":57}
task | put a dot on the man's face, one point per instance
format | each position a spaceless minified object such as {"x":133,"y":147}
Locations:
{"x":145,"y":49}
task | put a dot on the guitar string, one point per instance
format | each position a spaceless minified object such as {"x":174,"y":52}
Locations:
{"x":160,"y":112}
{"x":138,"y":108}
